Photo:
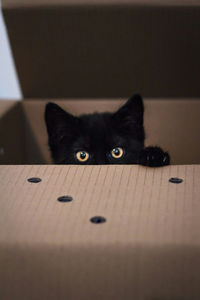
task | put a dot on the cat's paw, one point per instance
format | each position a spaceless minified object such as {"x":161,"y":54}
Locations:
{"x":154,"y":157}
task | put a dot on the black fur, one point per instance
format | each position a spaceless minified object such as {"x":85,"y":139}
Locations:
{"x":99,"y":133}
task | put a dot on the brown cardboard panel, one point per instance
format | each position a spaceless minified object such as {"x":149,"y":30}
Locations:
{"x":6,"y":105}
{"x":32,"y":145}
{"x":11,"y":133}
{"x":148,"y":248}
{"x":65,"y":49}
{"x":175,"y":126}
{"x":171,"y":124}
{"x":24,"y":3}
{"x":17,"y":142}
{"x":29,"y":3}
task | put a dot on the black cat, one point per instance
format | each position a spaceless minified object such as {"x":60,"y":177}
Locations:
{"x":102,"y":138}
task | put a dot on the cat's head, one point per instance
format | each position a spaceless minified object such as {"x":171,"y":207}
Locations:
{"x":99,"y":138}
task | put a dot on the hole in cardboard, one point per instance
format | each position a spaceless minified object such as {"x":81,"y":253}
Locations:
{"x":65,"y":199}
{"x":175,"y":180}
{"x":34,"y":180}
{"x":98,"y":220}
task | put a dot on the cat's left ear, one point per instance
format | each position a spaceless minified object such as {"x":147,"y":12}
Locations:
{"x":59,"y":123}
{"x":131,"y":112}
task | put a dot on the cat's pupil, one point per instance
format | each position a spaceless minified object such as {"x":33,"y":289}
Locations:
{"x":116,"y":151}
{"x":82,"y":155}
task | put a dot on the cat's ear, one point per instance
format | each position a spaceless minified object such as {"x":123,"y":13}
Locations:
{"x":131,"y":112}
{"x":129,"y":118}
{"x":59,"y":123}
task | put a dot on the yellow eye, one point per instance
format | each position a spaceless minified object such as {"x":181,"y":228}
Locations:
{"x":117,"y":152}
{"x":82,"y":156}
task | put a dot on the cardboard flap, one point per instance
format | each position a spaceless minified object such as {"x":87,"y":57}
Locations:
{"x":24,"y":3}
{"x":6,"y":105}
{"x":11,"y":133}
{"x":148,"y":248}
{"x":95,"y":49}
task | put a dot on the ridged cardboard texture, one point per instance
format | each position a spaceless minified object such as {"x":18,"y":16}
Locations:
{"x":148,"y":248}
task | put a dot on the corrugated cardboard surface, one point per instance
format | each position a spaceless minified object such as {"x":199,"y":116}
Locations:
{"x":93,"y":49}
{"x":148,"y":248}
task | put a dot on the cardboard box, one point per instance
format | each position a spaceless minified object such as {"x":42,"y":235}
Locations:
{"x":105,"y":48}
{"x":149,"y":246}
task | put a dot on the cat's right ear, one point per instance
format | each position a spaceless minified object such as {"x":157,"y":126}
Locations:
{"x":129,"y":118}
{"x":59,"y":123}
{"x":131,"y":113}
